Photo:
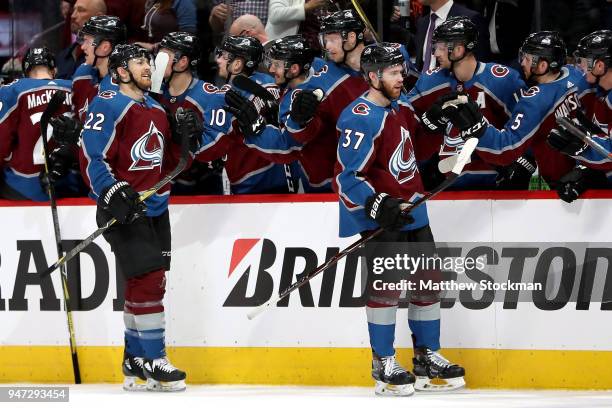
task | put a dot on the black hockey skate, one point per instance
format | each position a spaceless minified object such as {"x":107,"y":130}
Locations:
{"x":134,"y":377}
{"x":391,"y":378}
{"x":435,"y":373}
{"x":163,"y":376}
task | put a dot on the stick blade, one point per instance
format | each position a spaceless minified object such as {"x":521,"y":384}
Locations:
{"x":465,"y":155}
{"x":161,"y":61}
{"x":256,"y":311}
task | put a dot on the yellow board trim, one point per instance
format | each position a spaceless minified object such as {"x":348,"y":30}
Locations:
{"x":485,"y":368}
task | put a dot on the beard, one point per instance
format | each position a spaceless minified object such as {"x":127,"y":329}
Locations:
{"x":391,"y":92}
{"x":143,"y":83}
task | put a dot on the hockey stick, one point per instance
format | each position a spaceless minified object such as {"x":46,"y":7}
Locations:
{"x":462,"y":159}
{"x":52,"y":107}
{"x":567,"y":124}
{"x":247,"y":84}
{"x":365,"y":20}
{"x":180,"y":167}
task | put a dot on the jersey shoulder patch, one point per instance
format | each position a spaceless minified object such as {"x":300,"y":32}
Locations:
{"x":107,"y":94}
{"x":361,"y":109}
{"x":530,"y":92}
{"x":499,"y":71}
{"x":209,"y":88}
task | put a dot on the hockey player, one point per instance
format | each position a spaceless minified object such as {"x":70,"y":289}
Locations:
{"x":247,"y":171}
{"x":182,"y":89}
{"x":376,"y":173}
{"x":312,"y":120}
{"x":128,"y":147}
{"x":98,"y":37}
{"x":492,"y":86}
{"x":22,"y":104}
{"x":290,"y":60}
{"x":553,"y":93}
{"x":594,"y":56}
{"x":342,"y":36}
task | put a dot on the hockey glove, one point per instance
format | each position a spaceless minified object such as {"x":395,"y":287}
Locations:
{"x":584,"y":121}
{"x":122,"y":202}
{"x":561,"y":139}
{"x":304,"y":106}
{"x":66,"y":131}
{"x":581,"y":178}
{"x":434,"y":119}
{"x":386,"y":211}
{"x":187,"y":124}
{"x":59,"y":163}
{"x":517,"y":175}
{"x":250,"y":122}
{"x":468,"y":118}
{"x":571,"y":185}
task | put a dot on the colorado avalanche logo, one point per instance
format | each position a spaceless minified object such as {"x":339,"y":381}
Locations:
{"x":107,"y":94}
{"x":148,"y":151}
{"x":403,"y":170}
{"x":361,"y":109}
{"x":209,"y":88}
{"x":320,"y":72}
{"x":499,"y":71}
{"x":452,"y":145}
{"x":533,"y":91}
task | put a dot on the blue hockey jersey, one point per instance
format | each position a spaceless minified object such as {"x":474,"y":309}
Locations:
{"x":494,"y":87}
{"x":86,"y":84}
{"x":247,"y":171}
{"x":22,"y":104}
{"x":375,"y":154}
{"x":532,"y":120}
{"x":313,"y":146}
{"x":128,"y":140}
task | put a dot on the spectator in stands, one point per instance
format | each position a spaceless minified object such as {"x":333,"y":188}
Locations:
{"x":249,"y":24}
{"x":131,"y":13}
{"x":285,"y":16}
{"x":509,"y":23}
{"x":165,"y":16}
{"x":225,"y":12}
{"x":70,"y":58}
{"x":440,"y":10}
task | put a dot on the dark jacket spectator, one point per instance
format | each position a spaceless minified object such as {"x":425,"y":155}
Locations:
{"x":509,"y":23}
{"x":422,"y":29}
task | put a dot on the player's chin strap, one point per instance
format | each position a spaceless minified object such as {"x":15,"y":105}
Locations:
{"x":175,"y":60}
{"x":344,"y":40}
{"x":96,"y":56}
{"x":598,"y":77}
{"x":531,"y":81}
{"x":286,"y":71}
{"x":453,"y":61}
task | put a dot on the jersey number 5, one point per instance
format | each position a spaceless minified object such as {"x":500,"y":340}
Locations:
{"x":97,"y":123}
{"x":347,"y":138}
